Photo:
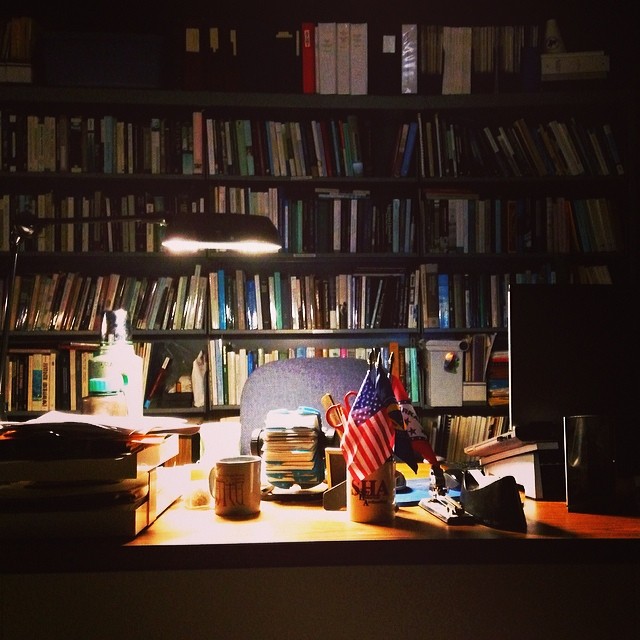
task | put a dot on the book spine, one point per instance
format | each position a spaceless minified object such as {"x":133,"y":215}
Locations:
{"x":308,"y":57}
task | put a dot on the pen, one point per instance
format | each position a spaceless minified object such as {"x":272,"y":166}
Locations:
{"x":159,"y":380}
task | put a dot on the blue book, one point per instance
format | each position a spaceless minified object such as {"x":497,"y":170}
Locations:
{"x":252,"y":361}
{"x":222,"y":299}
{"x":408,"y":149}
{"x":251,"y":304}
{"x":443,"y":300}
{"x":277,"y":286}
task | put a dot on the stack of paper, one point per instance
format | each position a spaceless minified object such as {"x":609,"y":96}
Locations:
{"x":291,"y":449}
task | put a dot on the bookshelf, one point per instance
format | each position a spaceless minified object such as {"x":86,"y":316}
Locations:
{"x":553,"y":213}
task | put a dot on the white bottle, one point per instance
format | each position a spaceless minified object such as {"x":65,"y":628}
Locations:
{"x":116,"y":367}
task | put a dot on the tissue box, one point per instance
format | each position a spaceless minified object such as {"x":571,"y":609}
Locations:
{"x":444,"y":373}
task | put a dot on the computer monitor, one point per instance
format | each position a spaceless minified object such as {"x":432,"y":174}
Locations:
{"x":571,"y":352}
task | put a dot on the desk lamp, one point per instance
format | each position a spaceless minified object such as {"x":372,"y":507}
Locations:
{"x":253,"y":234}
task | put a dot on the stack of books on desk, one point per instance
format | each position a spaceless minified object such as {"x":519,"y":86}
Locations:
{"x":534,"y":458}
{"x":96,"y":488}
{"x":537,"y":466}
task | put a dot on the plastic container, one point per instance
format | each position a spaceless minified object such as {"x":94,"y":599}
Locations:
{"x":115,"y":367}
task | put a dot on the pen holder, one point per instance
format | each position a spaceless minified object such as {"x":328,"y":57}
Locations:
{"x":372,"y":499}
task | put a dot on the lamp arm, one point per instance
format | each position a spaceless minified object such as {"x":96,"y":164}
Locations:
{"x":27,"y":224}
{"x":15,"y":240}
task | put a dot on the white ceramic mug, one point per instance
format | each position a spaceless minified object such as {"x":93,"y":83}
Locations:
{"x":235,"y":485}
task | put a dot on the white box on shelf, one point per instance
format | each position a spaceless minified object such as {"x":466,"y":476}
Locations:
{"x":575,"y":65}
{"x":444,"y":373}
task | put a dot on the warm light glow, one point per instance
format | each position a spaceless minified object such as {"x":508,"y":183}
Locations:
{"x":221,"y":232}
{"x":184,"y":245}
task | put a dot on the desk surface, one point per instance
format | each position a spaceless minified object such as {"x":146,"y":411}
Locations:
{"x":299,"y":534}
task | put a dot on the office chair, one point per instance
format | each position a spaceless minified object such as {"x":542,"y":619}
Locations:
{"x":289,"y":384}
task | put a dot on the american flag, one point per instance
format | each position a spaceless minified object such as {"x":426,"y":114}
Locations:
{"x":419,"y":442}
{"x":369,"y":435}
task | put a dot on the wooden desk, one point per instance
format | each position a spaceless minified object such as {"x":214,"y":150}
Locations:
{"x":304,"y":534}
{"x":192,"y":574}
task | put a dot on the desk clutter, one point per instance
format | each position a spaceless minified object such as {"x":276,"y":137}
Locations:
{"x":68,"y":475}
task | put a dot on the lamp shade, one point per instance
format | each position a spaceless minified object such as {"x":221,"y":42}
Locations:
{"x":221,"y":232}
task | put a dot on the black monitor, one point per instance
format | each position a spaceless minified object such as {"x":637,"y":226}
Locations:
{"x":571,"y":352}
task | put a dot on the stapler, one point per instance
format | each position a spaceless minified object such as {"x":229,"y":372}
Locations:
{"x":443,"y":502}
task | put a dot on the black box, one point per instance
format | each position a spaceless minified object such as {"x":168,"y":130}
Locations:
{"x":102,"y":59}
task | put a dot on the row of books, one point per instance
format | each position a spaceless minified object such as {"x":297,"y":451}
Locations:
{"x":465,"y":59}
{"x":339,"y":57}
{"x":466,"y":223}
{"x":479,"y":300}
{"x":200,"y":144}
{"x":518,"y":148}
{"x":452,"y":433}
{"x":48,"y":379}
{"x":415,"y":58}
{"x":347,"y":222}
{"x":57,"y":378}
{"x":425,"y":297}
{"x":461,"y":300}
{"x":71,"y":301}
{"x":335,"y":58}
{"x":232,"y":364}
{"x":334,"y":221}
{"x":194,"y":144}
{"x":117,"y":236}
{"x":272,"y":301}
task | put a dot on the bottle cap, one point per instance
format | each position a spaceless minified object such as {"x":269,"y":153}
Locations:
{"x":115,"y":326}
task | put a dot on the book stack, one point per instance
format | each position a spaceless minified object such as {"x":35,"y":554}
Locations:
{"x":83,"y":486}
{"x":537,"y":466}
{"x":498,"y":378}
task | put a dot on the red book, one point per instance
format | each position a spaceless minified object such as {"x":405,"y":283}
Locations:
{"x":308,"y":57}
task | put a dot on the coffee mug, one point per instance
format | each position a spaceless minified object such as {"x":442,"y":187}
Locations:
{"x":372,"y":499}
{"x":235,"y":485}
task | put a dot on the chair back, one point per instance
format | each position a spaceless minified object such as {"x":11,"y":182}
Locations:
{"x":295,"y":382}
